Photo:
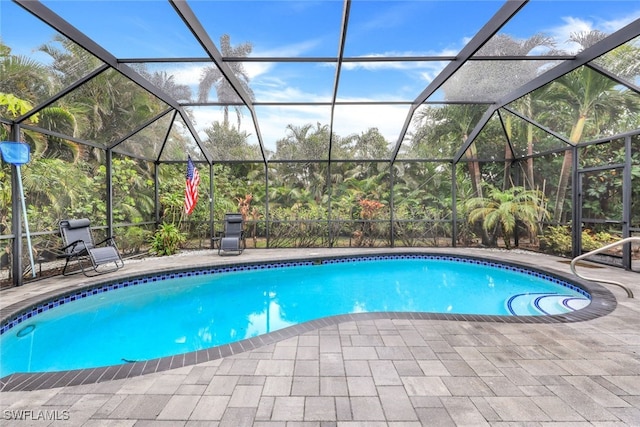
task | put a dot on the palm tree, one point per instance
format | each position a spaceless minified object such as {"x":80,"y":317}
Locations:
{"x":590,"y":96}
{"x":512,"y":74}
{"x":70,"y":61}
{"x":532,"y":105}
{"x":228,"y":143}
{"x":305,"y":143}
{"x":24,"y":84}
{"x":587,"y":92}
{"x":167,"y":84}
{"x":23,"y":77}
{"x":103,"y":109}
{"x":368,"y":145}
{"x":443,"y":128}
{"x":213,"y":77}
{"x":503,"y":210}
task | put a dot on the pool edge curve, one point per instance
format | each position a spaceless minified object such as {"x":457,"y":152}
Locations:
{"x":602,"y":303}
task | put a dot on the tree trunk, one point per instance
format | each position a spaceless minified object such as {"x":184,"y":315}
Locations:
{"x":508,"y":156}
{"x":565,"y":172}
{"x":474,"y":171}
{"x":476,"y":184}
{"x":563,"y":183}
{"x":529,"y":173}
{"x":508,"y":161}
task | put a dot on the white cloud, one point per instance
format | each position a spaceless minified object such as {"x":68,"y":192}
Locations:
{"x":205,"y":116}
{"x":616,"y":24}
{"x":187,"y":74}
{"x":292,"y":50}
{"x":562,"y":33}
{"x":256,"y":69}
{"x":571,"y":25}
{"x":274,"y":85}
{"x":357,"y":119}
{"x":408,"y":66}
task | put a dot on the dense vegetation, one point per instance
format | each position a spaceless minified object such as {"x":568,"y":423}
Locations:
{"x":510,"y":183}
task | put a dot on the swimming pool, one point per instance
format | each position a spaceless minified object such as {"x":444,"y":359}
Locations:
{"x":214,"y":310}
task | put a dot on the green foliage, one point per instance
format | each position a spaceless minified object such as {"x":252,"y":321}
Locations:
{"x":68,"y":179}
{"x":557,"y":240}
{"x":429,"y":228}
{"x":132,"y":194}
{"x":299,"y":229}
{"x":592,"y":241}
{"x":166,"y":240}
{"x":133,"y":240}
{"x":503,"y":210}
{"x":172,"y":206}
{"x":228,"y":143}
{"x":14,"y":105}
{"x":603,"y":191}
{"x":236,"y":181}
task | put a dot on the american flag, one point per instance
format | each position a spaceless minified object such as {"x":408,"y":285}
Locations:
{"x":191,"y":190}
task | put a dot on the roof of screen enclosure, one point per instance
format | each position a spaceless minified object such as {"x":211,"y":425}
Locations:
{"x":444,"y":53}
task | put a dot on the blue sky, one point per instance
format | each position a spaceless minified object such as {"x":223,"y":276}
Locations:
{"x":151,"y":28}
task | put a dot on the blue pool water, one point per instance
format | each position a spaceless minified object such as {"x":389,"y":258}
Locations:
{"x":173,"y":316}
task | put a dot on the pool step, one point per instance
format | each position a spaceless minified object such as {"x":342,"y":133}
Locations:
{"x":535,"y":304}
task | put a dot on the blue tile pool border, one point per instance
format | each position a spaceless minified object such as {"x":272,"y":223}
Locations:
{"x":602,"y":303}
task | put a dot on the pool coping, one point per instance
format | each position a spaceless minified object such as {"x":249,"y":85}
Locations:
{"x":602,"y":303}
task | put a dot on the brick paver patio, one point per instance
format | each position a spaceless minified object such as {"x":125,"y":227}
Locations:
{"x":373,"y":372}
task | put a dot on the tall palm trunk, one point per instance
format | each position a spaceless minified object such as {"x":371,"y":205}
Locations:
{"x":565,"y":172}
{"x":474,"y":170}
{"x":508,"y":156}
{"x":529,"y":171}
{"x":476,"y":184}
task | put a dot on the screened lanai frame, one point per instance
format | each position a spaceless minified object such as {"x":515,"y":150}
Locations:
{"x":502,"y":15}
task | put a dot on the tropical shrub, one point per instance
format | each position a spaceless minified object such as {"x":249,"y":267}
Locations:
{"x":367,"y":232}
{"x":557,"y":240}
{"x":167,"y":240}
{"x":501,"y":211}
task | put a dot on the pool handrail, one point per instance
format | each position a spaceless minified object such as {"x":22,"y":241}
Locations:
{"x":597,"y":251}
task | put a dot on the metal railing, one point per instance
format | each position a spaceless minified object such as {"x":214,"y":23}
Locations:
{"x":597,"y":251}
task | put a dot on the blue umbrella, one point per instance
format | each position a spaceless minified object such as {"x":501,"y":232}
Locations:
{"x":17,"y":153}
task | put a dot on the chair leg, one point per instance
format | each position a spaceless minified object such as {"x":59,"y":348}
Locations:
{"x":68,"y":262}
{"x":117,"y":265}
{"x":64,"y":269}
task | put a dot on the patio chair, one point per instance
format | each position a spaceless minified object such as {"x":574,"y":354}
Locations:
{"x":91,"y":258}
{"x":232,"y":241}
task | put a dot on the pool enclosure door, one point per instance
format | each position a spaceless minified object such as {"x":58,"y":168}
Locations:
{"x":603,"y":212}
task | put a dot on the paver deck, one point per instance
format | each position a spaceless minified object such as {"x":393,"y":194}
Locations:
{"x":378,"y":371}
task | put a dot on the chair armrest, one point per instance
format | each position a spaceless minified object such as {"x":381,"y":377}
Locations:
{"x":69,"y":250}
{"x":108,"y":241}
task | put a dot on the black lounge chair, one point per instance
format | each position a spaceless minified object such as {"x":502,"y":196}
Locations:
{"x":232,"y":241}
{"x":92,"y":258}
